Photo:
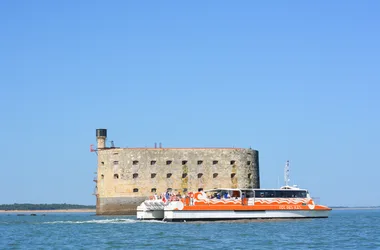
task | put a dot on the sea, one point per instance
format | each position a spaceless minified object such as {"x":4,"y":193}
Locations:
{"x":344,"y":229}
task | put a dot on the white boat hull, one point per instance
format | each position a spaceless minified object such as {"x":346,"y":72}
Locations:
{"x":151,"y":210}
{"x":150,"y":215}
{"x":177,"y":215}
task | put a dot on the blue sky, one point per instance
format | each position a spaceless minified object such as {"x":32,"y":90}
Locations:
{"x":295,"y":80}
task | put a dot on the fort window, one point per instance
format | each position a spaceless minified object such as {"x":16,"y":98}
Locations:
{"x":185,"y":190}
{"x":135,"y":162}
{"x":200,"y":175}
{"x":116,"y":176}
{"x":135,"y":175}
{"x":169,"y":190}
{"x":249,"y":176}
{"x":116,"y":163}
{"x":200,"y":162}
{"x":153,"y":175}
{"x":168,"y":175}
{"x":215,"y":175}
{"x":233,"y":175}
{"x":102,"y":176}
{"x":232,"y":162}
{"x":168,"y":162}
{"x":102,"y":163}
{"x":184,"y":175}
{"x":115,"y":153}
{"x":135,"y":190}
{"x":153,"y":190}
{"x":214,"y":162}
{"x":184,"y":162}
{"x":248,"y":163}
{"x":152,"y":162}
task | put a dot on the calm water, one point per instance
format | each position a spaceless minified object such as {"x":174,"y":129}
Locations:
{"x":349,"y":229}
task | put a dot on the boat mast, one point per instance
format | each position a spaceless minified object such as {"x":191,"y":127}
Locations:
{"x":286,"y":173}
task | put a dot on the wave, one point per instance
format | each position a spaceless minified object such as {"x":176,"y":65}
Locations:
{"x":105,"y":221}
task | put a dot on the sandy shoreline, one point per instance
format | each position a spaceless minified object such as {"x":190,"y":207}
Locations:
{"x":48,"y":211}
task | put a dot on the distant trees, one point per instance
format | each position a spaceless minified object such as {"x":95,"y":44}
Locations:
{"x":28,"y":206}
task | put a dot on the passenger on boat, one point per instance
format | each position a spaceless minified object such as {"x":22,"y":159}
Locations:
{"x":191,"y":194}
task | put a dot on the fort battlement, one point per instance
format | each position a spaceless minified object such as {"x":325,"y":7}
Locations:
{"x":127,"y":176}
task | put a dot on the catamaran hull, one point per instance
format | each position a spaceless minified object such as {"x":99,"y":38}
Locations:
{"x":181,"y":215}
{"x":150,"y":215}
{"x":234,"y":215}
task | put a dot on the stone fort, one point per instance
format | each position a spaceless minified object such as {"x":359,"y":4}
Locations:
{"x":128,"y":176}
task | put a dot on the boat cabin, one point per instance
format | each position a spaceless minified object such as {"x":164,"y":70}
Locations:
{"x":228,"y":193}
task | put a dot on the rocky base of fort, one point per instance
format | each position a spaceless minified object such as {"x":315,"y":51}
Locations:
{"x":118,"y":205}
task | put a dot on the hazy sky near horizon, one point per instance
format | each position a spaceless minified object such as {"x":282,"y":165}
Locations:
{"x":296,"y":80}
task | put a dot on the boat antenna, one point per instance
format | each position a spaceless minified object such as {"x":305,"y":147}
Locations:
{"x":286,"y":173}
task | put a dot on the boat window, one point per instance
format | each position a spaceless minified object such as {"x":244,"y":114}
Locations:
{"x":249,"y":194}
{"x":269,"y":194}
{"x":281,"y":193}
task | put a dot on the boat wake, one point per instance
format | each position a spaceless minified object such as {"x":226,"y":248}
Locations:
{"x":105,"y":221}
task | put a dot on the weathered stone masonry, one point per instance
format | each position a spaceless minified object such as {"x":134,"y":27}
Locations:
{"x":127,"y":176}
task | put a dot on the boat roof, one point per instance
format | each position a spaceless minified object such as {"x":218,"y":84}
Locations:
{"x":284,"y":188}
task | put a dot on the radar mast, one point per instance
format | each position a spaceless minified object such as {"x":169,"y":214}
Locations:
{"x":287,"y":174}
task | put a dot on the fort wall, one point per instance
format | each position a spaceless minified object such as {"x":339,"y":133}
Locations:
{"x":127,"y":176}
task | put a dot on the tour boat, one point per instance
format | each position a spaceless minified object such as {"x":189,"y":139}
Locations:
{"x":287,"y":202}
{"x":223,"y":204}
